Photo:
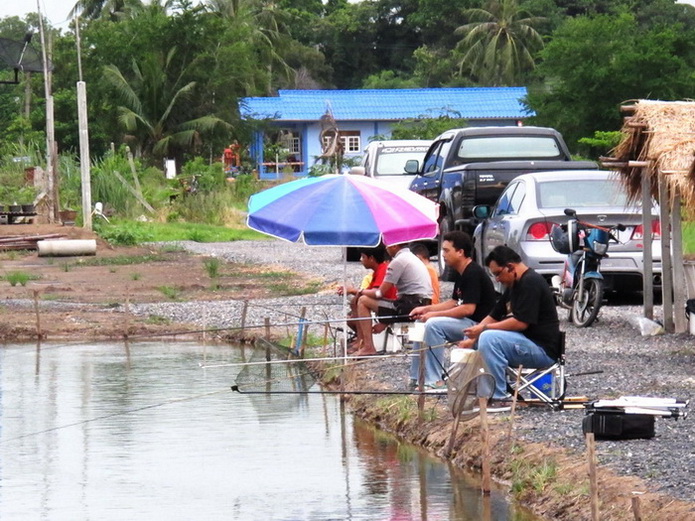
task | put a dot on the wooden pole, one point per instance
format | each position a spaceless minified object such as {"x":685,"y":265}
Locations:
{"x":514,"y":400}
{"x":666,"y":259}
{"x":485,"y":434}
{"x":127,"y":314}
{"x":593,"y":481}
{"x":679,"y":284}
{"x":267,"y":328}
{"x":636,"y":502}
{"x":421,"y":382}
{"x":38,"y":316}
{"x":647,"y":256}
{"x":244,"y":310}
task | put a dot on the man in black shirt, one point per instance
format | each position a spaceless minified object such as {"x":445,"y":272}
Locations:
{"x":522,"y":328}
{"x":471,"y":301}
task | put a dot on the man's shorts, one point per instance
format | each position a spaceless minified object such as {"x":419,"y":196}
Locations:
{"x":399,"y":310}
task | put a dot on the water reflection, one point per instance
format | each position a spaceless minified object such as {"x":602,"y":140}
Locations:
{"x":140,"y":433}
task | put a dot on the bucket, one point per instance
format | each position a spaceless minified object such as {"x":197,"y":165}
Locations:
{"x":416,"y":332}
{"x":459,"y":355}
{"x":545,"y":384}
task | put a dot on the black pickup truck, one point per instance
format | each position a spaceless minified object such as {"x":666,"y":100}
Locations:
{"x":470,"y":166}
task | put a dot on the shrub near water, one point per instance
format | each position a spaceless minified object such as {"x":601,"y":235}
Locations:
{"x":19,"y":277}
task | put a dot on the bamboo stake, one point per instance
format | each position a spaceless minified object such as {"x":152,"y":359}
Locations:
{"x":636,"y":502}
{"x":38,"y":316}
{"x":593,"y":481}
{"x":127,"y":313}
{"x":485,"y":433}
{"x":244,"y":310}
{"x":514,"y":400}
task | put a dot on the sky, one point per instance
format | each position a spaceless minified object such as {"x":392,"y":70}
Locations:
{"x":55,"y":10}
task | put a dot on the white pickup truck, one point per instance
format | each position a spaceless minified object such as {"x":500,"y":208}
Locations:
{"x":385,"y":160}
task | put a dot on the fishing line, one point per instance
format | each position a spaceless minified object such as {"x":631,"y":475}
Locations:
{"x":113,"y":415}
{"x":368,"y":358}
{"x":276,"y":324}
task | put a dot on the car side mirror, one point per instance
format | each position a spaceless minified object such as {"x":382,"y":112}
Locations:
{"x":412,"y":166}
{"x":358,"y":170}
{"x":482,"y":211}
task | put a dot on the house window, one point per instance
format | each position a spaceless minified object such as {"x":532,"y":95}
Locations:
{"x":350,"y":139}
{"x":290,"y":141}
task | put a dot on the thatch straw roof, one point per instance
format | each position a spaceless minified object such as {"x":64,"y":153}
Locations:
{"x":659,"y":136}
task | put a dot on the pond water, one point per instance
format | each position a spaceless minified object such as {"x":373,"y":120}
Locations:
{"x":143,"y":432}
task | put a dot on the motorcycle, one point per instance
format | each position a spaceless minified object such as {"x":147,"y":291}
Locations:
{"x":580,"y":288}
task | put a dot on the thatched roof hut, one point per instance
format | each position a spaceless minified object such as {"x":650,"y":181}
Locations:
{"x":659,"y":136}
{"x":657,"y":151}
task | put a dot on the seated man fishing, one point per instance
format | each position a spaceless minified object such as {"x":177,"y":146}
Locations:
{"x":373,"y":259}
{"x":472,"y":299}
{"x":409,"y":276}
{"x":522,"y":328}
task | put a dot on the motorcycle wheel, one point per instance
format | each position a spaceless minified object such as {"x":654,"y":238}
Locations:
{"x":585,"y":310}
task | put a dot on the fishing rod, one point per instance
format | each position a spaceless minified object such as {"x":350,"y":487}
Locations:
{"x":323,"y":359}
{"x":278,"y":324}
{"x":236,"y":389}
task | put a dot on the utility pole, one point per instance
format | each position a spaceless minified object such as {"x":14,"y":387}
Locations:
{"x":85,"y":174}
{"x":50,"y":128}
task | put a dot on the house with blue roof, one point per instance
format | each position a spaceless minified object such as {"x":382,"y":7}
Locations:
{"x":362,"y":115}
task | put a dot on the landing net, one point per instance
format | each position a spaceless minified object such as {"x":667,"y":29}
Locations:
{"x":272,"y":369}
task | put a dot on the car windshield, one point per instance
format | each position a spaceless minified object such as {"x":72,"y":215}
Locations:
{"x":391,"y":160}
{"x":577,"y":193}
{"x":508,"y":147}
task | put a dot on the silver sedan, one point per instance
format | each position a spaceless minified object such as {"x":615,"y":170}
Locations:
{"x":532,"y":204}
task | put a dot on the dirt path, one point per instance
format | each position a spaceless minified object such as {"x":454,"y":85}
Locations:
{"x":85,"y":297}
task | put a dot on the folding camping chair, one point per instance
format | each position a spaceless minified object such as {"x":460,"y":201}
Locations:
{"x":546,"y":384}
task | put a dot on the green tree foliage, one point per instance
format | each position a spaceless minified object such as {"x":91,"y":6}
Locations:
{"x":593,"y":64}
{"x":427,"y":127}
{"x":499,"y":43}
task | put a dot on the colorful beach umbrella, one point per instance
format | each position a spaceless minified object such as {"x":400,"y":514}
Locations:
{"x":342,"y":210}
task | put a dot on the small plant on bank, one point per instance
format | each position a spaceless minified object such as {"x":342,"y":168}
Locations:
{"x":19,"y":277}
{"x":66,"y":267}
{"x":135,"y":276}
{"x":212,"y":266}
{"x":158,"y":320}
{"x":169,"y":292}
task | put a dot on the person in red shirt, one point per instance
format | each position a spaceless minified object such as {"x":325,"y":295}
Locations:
{"x":372,"y":259}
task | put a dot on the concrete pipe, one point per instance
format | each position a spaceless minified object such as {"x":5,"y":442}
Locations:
{"x":67,"y":247}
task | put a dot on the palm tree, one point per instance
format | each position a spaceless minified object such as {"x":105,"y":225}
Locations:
{"x":499,"y":43}
{"x":151,"y":108}
{"x":113,"y":9}
{"x":265,"y":26}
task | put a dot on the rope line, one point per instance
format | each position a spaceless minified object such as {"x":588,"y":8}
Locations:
{"x":112,"y":415}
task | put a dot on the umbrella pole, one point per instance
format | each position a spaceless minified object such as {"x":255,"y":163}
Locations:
{"x":345,"y":335}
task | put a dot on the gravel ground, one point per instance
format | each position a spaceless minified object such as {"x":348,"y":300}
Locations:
{"x":632,"y":364}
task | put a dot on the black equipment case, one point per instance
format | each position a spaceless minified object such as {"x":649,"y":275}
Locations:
{"x":617,"y":425}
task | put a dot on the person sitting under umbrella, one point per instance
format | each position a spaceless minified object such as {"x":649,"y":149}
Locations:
{"x":373,"y":259}
{"x":410,"y":277}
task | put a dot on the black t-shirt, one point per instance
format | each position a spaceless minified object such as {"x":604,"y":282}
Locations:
{"x":473,"y":286}
{"x":531,"y":300}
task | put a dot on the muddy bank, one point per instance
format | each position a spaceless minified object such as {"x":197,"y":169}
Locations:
{"x":547,"y":479}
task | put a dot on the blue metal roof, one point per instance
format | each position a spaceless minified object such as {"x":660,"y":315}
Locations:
{"x":389,"y":104}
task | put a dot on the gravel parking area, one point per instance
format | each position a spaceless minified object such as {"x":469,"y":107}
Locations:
{"x":631,"y":364}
